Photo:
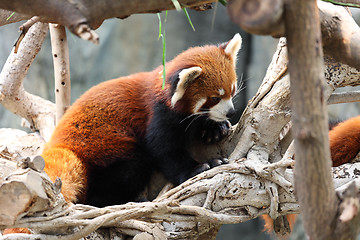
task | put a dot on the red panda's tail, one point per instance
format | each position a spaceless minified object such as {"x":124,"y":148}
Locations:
{"x":16,"y":230}
{"x":63,"y":163}
{"x":269,"y":223}
{"x":345,"y":141}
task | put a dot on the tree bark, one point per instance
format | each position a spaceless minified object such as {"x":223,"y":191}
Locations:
{"x":227,"y":194}
{"x":344,"y":97}
{"x":313,"y":182}
{"x":340,"y":33}
{"x":37,"y":111}
{"x":246,"y":188}
{"x":80,"y":16}
{"x":60,"y":52}
{"x":258,"y":16}
{"x":7,"y":17}
{"x":232,"y":193}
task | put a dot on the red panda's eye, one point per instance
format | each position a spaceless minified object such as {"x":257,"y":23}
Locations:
{"x":215,"y":99}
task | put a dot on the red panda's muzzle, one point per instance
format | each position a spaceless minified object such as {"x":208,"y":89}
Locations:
{"x":222,"y":111}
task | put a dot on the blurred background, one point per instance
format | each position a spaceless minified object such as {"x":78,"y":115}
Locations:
{"x":132,"y":45}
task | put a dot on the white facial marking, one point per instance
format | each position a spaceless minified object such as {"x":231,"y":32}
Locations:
{"x":234,"y":46}
{"x":221,"y":91}
{"x":219,"y":111}
{"x":185,"y":77}
{"x":198,"y":105}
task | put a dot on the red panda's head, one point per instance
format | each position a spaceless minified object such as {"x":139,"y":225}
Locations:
{"x":205,"y":80}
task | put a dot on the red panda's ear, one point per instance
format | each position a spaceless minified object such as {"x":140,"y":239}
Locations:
{"x":233,"y":46}
{"x":186,"y":76}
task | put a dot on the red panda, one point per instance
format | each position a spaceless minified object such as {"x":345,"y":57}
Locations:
{"x":118,"y":132}
{"x":344,"y":140}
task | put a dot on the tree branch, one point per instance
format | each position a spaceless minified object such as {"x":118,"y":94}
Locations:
{"x":218,"y":190}
{"x":227,"y":194}
{"x":232,"y":193}
{"x":340,"y":33}
{"x":7,"y":17}
{"x":24,"y":28}
{"x":81,"y":16}
{"x":309,"y":119}
{"x":258,"y":17}
{"x":60,"y":52}
{"x":344,"y":97}
{"x":37,"y":111}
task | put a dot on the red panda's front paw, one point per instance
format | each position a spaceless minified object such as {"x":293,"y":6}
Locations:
{"x":216,"y":131}
{"x":210,"y":164}
{"x":217,"y":162}
{"x":200,"y":168}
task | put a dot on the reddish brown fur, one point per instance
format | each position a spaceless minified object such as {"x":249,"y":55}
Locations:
{"x":269,"y":222}
{"x":104,"y":124}
{"x":219,"y":61}
{"x":132,"y":98}
{"x":345,"y":141}
{"x":16,"y":230}
{"x":73,"y":181}
{"x":69,"y":167}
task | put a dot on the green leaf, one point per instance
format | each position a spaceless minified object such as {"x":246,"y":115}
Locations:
{"x":163,"y":38}
{"x":188,"y":17}
{"x":12,"y":14}
{"x":346,"y":3}
{"x":223,"y":2}
{"x":164,"y":59}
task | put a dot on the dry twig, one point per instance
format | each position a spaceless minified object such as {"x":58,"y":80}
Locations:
{"x":60,"y":52}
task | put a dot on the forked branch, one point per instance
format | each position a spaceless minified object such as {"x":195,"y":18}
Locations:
{"x":37,"y":111}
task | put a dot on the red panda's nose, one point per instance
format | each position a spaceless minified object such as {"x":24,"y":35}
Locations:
{"x":230,"y":113}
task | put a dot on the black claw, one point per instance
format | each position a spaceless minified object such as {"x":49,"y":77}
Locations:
{"x":225,"y":160}
{"x":200,"y":168}
{"x":204,"y":167}
{"x":215,"y":162}
{"x":218,"y":161}
{"x":213,"y":132}
{"x":224,"y":132}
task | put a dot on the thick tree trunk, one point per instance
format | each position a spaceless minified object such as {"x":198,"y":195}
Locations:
{"x":313,"y":181}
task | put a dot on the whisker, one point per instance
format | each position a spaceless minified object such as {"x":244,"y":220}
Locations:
{"x":241,"y":86}
{"x":195,"y":114}
{"x":237,"y":95}
{"x":188,"y":117}
{"x":241,"y":81}
{"x":196,"y":117}
{"x":239,"y":89}
{"x":235,"y":99}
